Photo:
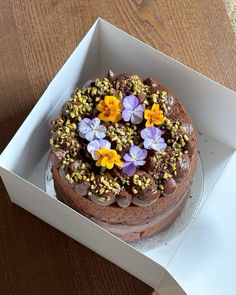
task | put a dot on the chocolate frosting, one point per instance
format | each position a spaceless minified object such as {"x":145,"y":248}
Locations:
{"x":183,"y":167}
{"x":170,"y":186}
{"x":124,"y":199}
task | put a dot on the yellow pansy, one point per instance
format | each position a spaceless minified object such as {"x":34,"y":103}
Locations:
{"x":110,"y":109}
{"x":154,"y":116}
{"x":108,"y":158}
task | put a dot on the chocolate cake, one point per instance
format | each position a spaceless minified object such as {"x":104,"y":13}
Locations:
{"x":123,"y":153}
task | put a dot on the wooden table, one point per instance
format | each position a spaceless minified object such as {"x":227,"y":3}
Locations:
{"x":36,"y":39}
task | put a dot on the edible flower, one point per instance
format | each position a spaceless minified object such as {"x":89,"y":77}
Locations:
{"x":91,"y":129}
{"x":133,"y":111}
{"x":95,"y":145}
{"x":110,"y":109}
{"x":152,"y":139}
{"x":108,"y":158}
{"x":154,"y":116}
{"x":134,"y":158}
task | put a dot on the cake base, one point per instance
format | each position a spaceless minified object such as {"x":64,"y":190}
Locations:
{"x":142,"y":230}
{"x":146,"y":229}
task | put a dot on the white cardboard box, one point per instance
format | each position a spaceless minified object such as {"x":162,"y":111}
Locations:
{"x":202,"y":258}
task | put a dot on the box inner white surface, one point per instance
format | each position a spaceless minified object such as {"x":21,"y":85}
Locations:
{"x":212,"y":108}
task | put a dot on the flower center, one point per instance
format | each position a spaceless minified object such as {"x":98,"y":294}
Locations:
{"x":109,"y":156}
{"x":155,"y":141}
{"x":151,"y":118}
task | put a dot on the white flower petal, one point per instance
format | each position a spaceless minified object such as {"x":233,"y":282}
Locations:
{"x":105,"y":144}
{"x":150,"y":132}
{"x":100,"y":134}
{"x":126,"y":114}
{"x":148,"y":143}
{"x":90,"y":135}
{"x":139,"y":163}
{"x":137,"y":152}
{"x":95,"y":123}
{"x":95,"y":155}
{"x":140,"y":108}
{"x":130,"y":102}
{"x":82,"y":135}
{"x":127,"y":157}
{"x":93,"y":145}
{"x":83,"y":126}
{"x":101,"y":128}
{"x":136,"y":119}
{"x":145,"y":133}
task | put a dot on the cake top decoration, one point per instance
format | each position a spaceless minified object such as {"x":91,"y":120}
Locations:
{"x":118,"y":128}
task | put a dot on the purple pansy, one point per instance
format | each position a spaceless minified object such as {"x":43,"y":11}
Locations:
{"x":152,"y":139}
{"x":133,"y":111}
{"x":91,"y":129}
{"x":135,"y":157}
{"x":94,"y":145}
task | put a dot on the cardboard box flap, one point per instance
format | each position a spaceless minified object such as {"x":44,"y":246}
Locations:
{"x":211,"y":106}
{"x":207,"y":255}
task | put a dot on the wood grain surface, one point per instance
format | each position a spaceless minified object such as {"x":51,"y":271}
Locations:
{"x":36,"y":37}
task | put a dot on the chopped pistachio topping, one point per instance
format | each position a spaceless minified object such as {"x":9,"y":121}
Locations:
{"x":104,"y":185}
{"x":122,"y":135}
{"x":141,"y":181}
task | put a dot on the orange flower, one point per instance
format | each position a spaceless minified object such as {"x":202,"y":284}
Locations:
{"x":154,"y":116}
{"x":108,"y":158}
{"x":110,"y":109}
